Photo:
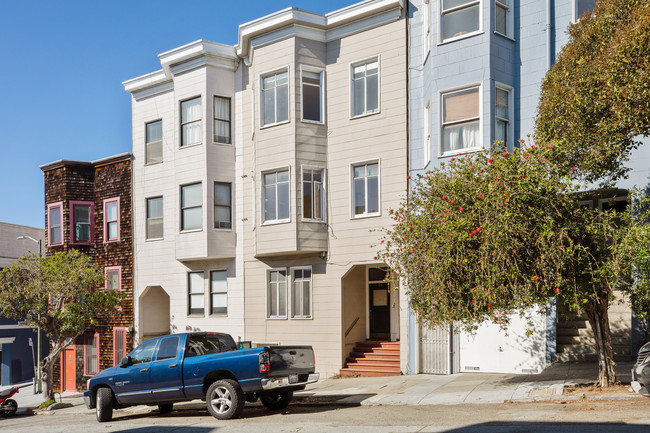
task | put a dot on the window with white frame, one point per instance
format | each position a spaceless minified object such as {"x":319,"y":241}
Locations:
{"x":222,"y":205}
{"x":275,"y":191}
{"x":580,"y":7}
{"x":459,"y":18}
{"x":502,"y":115}
{"x":502,"y":17}
{"x":191,"y":116}
{"x":312,"y":95}
{"x":365,"y":87}
{"x":313,"y":194}
{"x":301,"y":293}
{"x":427,"y":134}
{"x":218,"y":292}
{"x":276,"y":294}
{"x":55,"y":224}
{"x":112,"y":219}
{"x":155,"y":218}
{"x":275,"y":98}
{"x":426,"y":11}
{"x":196,"y":293}
{"x":221,"y":120}
{"x":461,"y":120}
{"x":91,"y":354}
{"x":191,"y":207}
{"x":153,"y":142}
{"x":365,"y":189}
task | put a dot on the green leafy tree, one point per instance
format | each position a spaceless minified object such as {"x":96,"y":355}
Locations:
{"x":595,"y":101}
{"x":63,"y":294}
{"x":496,"y":232}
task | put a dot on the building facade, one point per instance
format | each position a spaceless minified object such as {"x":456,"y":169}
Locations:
{"x":260,"y":173}
{"x":475,"y":75}
{"x":17,"y":359}
{"x":88,"y":208}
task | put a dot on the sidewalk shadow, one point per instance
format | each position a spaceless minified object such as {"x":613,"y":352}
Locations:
{"x":549,"y":427}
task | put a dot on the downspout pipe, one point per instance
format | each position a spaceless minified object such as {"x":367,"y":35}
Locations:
{"x":550,"y":59}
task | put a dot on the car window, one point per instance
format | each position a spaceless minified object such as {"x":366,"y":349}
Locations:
{"x":204,"y":344}
{"x":226,"y":342}
{"x":168,"y":348}
{"x":144,"y":352}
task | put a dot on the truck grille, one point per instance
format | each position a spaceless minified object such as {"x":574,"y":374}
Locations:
{"x":643,"y":354}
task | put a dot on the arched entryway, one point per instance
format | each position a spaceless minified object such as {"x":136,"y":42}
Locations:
{"x":153,"y":313}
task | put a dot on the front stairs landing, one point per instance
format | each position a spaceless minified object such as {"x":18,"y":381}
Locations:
{"x":373,"y":358}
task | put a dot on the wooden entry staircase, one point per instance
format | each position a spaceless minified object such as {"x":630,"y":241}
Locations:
{"x":373,"y":358}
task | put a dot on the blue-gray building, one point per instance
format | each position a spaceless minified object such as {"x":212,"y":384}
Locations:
{"x":16,"y":359}
{"x":475,"y":73}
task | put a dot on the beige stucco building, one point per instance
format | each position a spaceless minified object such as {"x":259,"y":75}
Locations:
{"x":261,"y":172}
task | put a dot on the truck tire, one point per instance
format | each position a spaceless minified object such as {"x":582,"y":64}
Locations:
{"x":104,"y":405}
{"x":225,"y":399}
{"x":276,"y":399}
{"x":165,"y":408}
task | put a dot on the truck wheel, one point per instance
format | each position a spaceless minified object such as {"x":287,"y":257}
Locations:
{"x":276,"y":399}
{"x":9,"y":407}
{"x":104,"y":405}
{"x":165,"y":408}
{"x":225,"y":399}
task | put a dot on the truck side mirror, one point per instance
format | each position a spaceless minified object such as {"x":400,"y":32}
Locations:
{"x":126,"y":361}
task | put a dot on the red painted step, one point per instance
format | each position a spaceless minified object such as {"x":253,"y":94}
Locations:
{"x":373,"y":358}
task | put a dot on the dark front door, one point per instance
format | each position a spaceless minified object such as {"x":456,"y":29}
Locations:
{"x":379,"y":300}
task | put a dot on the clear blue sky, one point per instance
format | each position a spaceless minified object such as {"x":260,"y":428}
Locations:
{"x":62,"y":66}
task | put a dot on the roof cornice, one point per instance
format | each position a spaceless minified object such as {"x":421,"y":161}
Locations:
{"x":253,"y":30}
{"x":181,"y":59}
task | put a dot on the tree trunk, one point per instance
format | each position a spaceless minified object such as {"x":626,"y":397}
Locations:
{"x":48,"y":376}
{"x":599,"y":320}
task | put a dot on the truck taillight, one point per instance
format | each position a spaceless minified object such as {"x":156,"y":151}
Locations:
{"x":264,"y":361}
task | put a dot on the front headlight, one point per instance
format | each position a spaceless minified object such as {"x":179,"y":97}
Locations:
{"x":88,"y":384}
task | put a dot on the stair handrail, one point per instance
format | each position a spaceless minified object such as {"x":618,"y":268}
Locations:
{"x":354,"y":322}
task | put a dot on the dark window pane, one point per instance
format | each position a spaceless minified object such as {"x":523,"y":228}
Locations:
{"x":168,"y":348}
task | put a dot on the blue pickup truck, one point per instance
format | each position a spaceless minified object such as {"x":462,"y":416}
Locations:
{"x":201,"y":365}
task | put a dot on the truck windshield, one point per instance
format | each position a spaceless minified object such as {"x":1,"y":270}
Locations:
{"x":204,"y":344}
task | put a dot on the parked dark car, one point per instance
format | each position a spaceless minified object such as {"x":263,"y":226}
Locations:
{"x":641,"y":371}
{"x":201,"y":365}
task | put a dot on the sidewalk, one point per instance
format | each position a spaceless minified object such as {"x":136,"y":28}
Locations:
{"x":422,"y":389}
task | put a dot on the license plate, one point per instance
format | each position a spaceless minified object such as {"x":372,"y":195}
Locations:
{"x":293,"y":378}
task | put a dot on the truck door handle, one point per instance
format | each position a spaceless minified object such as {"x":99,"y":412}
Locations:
{"x":144,"y":370}
{"x":173,"y":365}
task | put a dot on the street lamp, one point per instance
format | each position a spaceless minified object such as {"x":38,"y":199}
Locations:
{"x":38,"y":327}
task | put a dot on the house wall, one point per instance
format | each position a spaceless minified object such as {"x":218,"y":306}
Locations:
{"x":165,"y":262}
{"x":334,"y":248}
{"x":95,"y":182}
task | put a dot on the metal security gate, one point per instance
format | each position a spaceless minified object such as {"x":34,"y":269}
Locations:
{"x":438,"y":349}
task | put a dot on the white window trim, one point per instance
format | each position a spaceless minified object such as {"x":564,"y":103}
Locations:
{"x":209,"y":310}
{"x":311,"y":293}
{"x":574,"y":10}
{"x":146,"y":218}
{"x":511,"y":140}
{"x":232,"y":121}
{"x":180,"y":208}
{"x":351,"y":87}
{"x":426,"y":11}
{"x":321,"y":71}
{"x":182,"y":146}
{"x":351,"y":183}
{"x":602,"y":201}
{"x":260,"y":77}
{"x":510,"y":21}
{"x":146,"y":143}
{"x":480,"y":122}
{"x":324,"y":194}
{"x":442,"y":41}
{"x":427,"y":135}
{"x":189,"y":304}
{"x":262,"y":208}
{"x":266,"y":293}
{"x":232,"y":206}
